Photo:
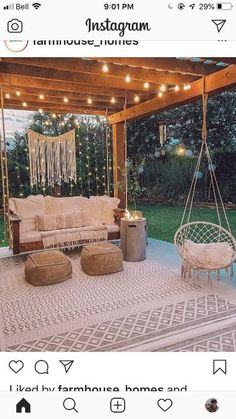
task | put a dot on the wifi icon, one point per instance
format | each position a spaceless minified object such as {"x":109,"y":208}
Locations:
{"x":36,"y":5}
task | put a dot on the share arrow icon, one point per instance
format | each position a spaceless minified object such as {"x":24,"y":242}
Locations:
{"x":67,"y":364}
{"x":219,"y":24}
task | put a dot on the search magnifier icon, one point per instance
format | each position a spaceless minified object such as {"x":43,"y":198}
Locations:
{"x":70,"y":404}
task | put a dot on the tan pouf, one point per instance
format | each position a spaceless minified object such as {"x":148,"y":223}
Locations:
{"x":101,"y":259}
{"x":46,"y":268}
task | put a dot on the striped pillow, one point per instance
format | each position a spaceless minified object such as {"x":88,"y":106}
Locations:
{"x":61,"y":221}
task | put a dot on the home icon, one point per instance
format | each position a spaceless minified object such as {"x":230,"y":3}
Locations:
{"x":23,"y":406}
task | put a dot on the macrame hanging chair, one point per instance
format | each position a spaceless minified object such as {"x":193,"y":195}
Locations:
{"x":204,"y":246}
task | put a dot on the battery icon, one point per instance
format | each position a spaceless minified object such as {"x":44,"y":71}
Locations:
{"x":224,"y":6}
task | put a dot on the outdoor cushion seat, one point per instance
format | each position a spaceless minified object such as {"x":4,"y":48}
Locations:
{"x":101,"y":259}
{"x":112,"y":228}
{"x":30,"y":236}
{"x":46,"y":268}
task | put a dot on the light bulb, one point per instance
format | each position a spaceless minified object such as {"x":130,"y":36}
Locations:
{"x":163,"y":88}
{"x":18,"y":93}
{"x":146,"y":85}
{"x":66,"y":100}
{"x":54,"y":115}
{"x":7,"y":96}
{"x":90,"y":101}
{"x":160,"y":94}
{"x":24,"y":104}
{"x":113,"y":100}
{"x":128,"y":79}
{"x":105,"y":68}
{"x":40,"y":111}
{"x":136,"y":98}
{"x":176,"y":88}
{"x":41,"y":97}
{"x":187,"y":86}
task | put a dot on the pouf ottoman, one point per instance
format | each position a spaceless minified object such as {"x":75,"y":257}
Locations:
{"x":46,"y":268}
{"x":101,"y":259}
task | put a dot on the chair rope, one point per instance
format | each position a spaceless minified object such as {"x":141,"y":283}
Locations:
{"x":214,"y":183}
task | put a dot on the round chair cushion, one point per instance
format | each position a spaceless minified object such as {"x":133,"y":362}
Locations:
{"x":101,"y":259}
{"x":46,"y":268}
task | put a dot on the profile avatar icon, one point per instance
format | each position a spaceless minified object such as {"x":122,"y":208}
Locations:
{"x":211,"y":405}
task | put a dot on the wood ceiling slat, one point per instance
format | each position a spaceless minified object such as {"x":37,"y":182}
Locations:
{"x":57,"y":109}
{"x":60,"y":94}
{"x":27,"y":81}
{"x":174,"y":65}
{"x":71,"y":77}
{"x":59,"y":102}
{"x":79,"y":65}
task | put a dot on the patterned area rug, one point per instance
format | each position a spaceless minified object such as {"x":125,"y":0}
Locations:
{"x":144,"y":308}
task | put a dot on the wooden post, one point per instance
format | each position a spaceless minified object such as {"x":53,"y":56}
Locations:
{"x":119,"y":178}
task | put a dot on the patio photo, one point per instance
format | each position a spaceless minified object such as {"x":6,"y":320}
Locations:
{"x":118,"y":204}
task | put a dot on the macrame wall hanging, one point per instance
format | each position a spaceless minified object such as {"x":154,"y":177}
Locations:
{"x":52,"y":159}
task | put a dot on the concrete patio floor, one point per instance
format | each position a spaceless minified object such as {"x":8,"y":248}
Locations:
{"x":164,"y":253}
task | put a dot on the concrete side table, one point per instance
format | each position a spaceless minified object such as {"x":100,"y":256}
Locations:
{"x":133,"y":239}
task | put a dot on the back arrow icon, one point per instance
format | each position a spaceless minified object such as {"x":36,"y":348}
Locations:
{"x":219,"y":24}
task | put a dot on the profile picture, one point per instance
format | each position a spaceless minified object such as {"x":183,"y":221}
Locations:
{"x":211,"y":405}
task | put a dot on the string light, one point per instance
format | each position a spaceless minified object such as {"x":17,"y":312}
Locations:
{"x":180,"y":150}
{"x":7,"y":96}
{"x":160,"y":94}
{"x":177,"y":88}
{"x":128,"y":79}
{"x":40,"y":111}
{"x":163,"y":88}
{"x":146,"y":85}
{"x":90,"y":101}
{"x":136,"y":98}
{"x":24,"y":104}
{"x":54,"y":115}
{"x":18,"y":93}
{"x":66,"y":100}
{"x":187,"y":87}
{"x":113,"y":100}
{"x":105,"y":68}
{"x":41,"y":97}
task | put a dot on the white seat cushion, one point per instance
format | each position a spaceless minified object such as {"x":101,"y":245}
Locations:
{"x":208,"y":255}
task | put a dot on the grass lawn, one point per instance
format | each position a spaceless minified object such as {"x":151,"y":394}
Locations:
{"x":2,"y":239}
{"x":163,"y":221}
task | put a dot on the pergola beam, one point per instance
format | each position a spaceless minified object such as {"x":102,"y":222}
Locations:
{"x":71,"y":105}
{"x":60,"y":94}
{"x":94,"y":67}
{"x":53,"y":74}
{"x":119,"y":163}
{"x":180,"y":66}
{"x":221,"y":80}
{"x":49,"y":84}
{"x":56,"y":109}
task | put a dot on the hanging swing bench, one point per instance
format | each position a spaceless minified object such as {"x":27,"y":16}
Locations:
{"x":204,"y":246}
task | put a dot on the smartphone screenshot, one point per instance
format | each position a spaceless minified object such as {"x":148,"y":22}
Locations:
{"x":117,"y":209}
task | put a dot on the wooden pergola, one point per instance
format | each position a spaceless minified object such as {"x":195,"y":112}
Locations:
{"x":123,"y":89}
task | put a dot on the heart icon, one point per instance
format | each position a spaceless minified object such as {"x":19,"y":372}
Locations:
{"x":164,"y":404}
{"x":16,"y":366}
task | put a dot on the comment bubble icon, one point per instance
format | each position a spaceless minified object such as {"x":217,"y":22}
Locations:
{"x":41,"y":367}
